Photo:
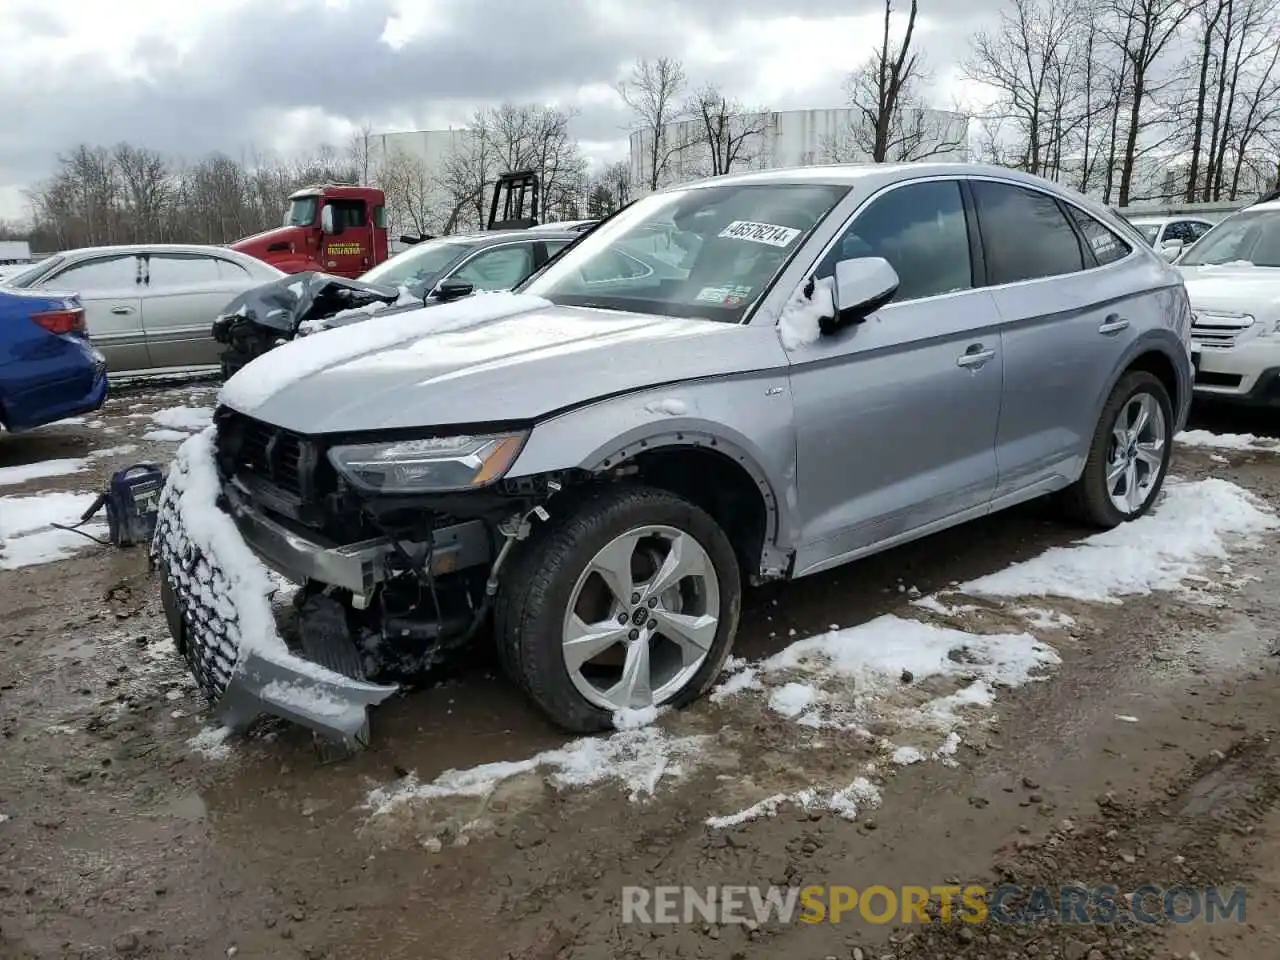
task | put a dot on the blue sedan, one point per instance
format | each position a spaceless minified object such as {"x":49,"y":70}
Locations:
{"x":48,"y":368}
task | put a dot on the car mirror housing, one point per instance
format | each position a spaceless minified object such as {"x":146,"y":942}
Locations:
{"x":453,"y":289}
{"x":863,"y":285}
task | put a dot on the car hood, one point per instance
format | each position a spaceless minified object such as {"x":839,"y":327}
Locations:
{"x":486,"y":359}
{"x":1233,"y":289}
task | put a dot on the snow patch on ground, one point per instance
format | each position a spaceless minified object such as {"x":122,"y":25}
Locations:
{"x":27,"y":536}
{"x":636,"y":759}
{"x":802,"y":315}
{"x":846,"y":802}
{"x":211,"y":743}
{"x":1195,"y":521}
{"x":119,"y":451}
{"x":165,"y":436}
{"x":190,"y":419}
{"x":1227,"y":441}
{"x":25,"y":472}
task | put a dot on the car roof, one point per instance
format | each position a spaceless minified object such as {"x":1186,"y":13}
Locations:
{"x":487,"y":237}
{"x":126,"y":248}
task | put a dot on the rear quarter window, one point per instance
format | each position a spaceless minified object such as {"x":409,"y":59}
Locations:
{"x":1100,"y":241}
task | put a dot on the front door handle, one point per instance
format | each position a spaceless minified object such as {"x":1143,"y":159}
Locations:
{"x":975,"y":356}
{"x":1113,"y":324}
{"x":121,"y":311}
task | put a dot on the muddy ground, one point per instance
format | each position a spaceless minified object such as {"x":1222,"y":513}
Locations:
{"x":119,"y":838}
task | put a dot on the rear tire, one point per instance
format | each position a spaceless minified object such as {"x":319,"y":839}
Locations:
{"x":1128,"y":457}
{"x":680,"y":598}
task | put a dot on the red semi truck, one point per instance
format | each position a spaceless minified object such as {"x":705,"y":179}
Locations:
{"x":336,"y":228}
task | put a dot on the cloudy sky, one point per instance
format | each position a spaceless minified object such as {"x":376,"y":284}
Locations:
{"x":282,"y":75}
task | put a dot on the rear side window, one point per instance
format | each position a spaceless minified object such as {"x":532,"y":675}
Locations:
{"x":921,"y":230}
{"x":380,"y":217}
{"x":348,"y":213}
{"x":232,"y":271}
{"x":1025,"y":235}
{"x":173,"y":272}
{"x":112,"y":274}
{"x":1104,"y":245}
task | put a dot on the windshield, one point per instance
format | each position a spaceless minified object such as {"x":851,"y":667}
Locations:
{"x":31,"y":273}
{"x":301,"y":212}
{"x":1149,"y":232}
{"x":1245,"y":237}
{"x":421,"y":263}
{"x":709,"y":252}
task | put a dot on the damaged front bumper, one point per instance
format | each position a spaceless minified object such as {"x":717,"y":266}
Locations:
{"x":216,"y":592}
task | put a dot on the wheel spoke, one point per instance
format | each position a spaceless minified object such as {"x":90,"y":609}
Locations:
{"x":613,"y":564}
{"x":1151,"y":453}
{"x":684,"y":559}
{"x":633,"y":688}
{"x":1115,"y":473}
{"x":1120,"y":434}
{"x":1132,"y":492}
{"x":586,"y":641}
{"x":1142,"y":419}
{"x":693,"y":635}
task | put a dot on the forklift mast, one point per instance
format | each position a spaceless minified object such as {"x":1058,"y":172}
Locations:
{"x":511,"y":191}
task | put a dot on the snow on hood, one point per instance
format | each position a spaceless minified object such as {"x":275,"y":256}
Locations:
{"x":486,"y":359}
{"x":1235,"y":288}
{"x":275,"y":370}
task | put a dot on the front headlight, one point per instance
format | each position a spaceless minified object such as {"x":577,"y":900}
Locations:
{"x":432,"y":465}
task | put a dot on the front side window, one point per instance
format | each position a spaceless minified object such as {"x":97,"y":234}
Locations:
{"x":707,"y":252}
{"x":114,"y":274}
{"x":1150,"y":232}
{"x":1025,"y":235}
{"x":1247,"y":237}
{"x":1199,"y":229}
{"x":1178,"y":230}
{"x":921,"y":230}
{"x":498,"y":269}
{"x":347,"y":214}
{"x":301,"y":212}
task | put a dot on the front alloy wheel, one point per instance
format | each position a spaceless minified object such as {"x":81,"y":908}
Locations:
{"x":626,"y":599}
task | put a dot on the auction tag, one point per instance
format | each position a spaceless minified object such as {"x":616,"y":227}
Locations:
{"x":726,"y":296}
{"x":750,"y":230}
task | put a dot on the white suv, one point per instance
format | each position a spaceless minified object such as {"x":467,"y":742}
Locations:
{"x":1233,"y":279}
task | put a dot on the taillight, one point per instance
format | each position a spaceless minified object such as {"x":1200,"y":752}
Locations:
{"x":61,"y":321}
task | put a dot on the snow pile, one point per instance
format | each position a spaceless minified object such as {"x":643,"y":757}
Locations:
{"x":24,"y":472}
{"x":802,"y":316}
{"x":165,"y":436}
{"x":637,"y":759}
{"x":27,"y":535}
{"x":1228,"y":441}
{"x":668,"y":406}
{"x":846,"y":802}
{"x":848,"y":678}
{"x":276,"y":369}
{"x":189,"y":419}
{"x":1194,"y":522}
{"x":211,"y":743}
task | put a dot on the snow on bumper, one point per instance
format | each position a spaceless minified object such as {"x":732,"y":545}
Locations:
{"x":217,"y":600}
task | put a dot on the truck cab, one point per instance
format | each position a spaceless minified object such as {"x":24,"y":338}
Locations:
{"x":339,"y":229}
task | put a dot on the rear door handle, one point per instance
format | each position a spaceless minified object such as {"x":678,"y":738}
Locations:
{"x":975,"y":356}
{"x":121,"y":311}
{"x":1113,"y":324}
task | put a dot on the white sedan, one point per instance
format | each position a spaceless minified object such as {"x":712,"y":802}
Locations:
{"x":150,"y":307}
{"x":1233,"y":280}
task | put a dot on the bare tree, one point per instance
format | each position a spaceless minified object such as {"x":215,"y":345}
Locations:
{"x":617,"y":178}
{"x":893,"y":122}
{"x":411,"y":197}
{"x":360,"y":152}
{"x":653,"y":92}
{"x":729,"y":134}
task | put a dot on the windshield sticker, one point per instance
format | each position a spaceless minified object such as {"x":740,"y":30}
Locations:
{"x":732,"y":295}
{"x":770,"y":233}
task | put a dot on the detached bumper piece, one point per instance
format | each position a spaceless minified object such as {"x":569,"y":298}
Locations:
{"x":217,"y":602}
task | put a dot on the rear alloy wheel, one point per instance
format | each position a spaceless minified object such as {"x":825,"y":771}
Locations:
{"x":1129,"y":455}
{"x":630,"y":601}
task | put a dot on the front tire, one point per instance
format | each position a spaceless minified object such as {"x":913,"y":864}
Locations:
{"x":1129,"y":456}
{"x":629,"y":599}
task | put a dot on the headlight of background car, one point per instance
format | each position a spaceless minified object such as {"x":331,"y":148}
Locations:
{"x":433,"y":465}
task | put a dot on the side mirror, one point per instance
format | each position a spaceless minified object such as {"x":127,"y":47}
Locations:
{"x":327,"y":223}
{"x":863,"y":286}
{"x":1171,"y":248}
{"x":452,"y":289}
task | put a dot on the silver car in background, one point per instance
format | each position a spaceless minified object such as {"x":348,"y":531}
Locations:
{"x":149,"y":307}
{"x":832,"y":361}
